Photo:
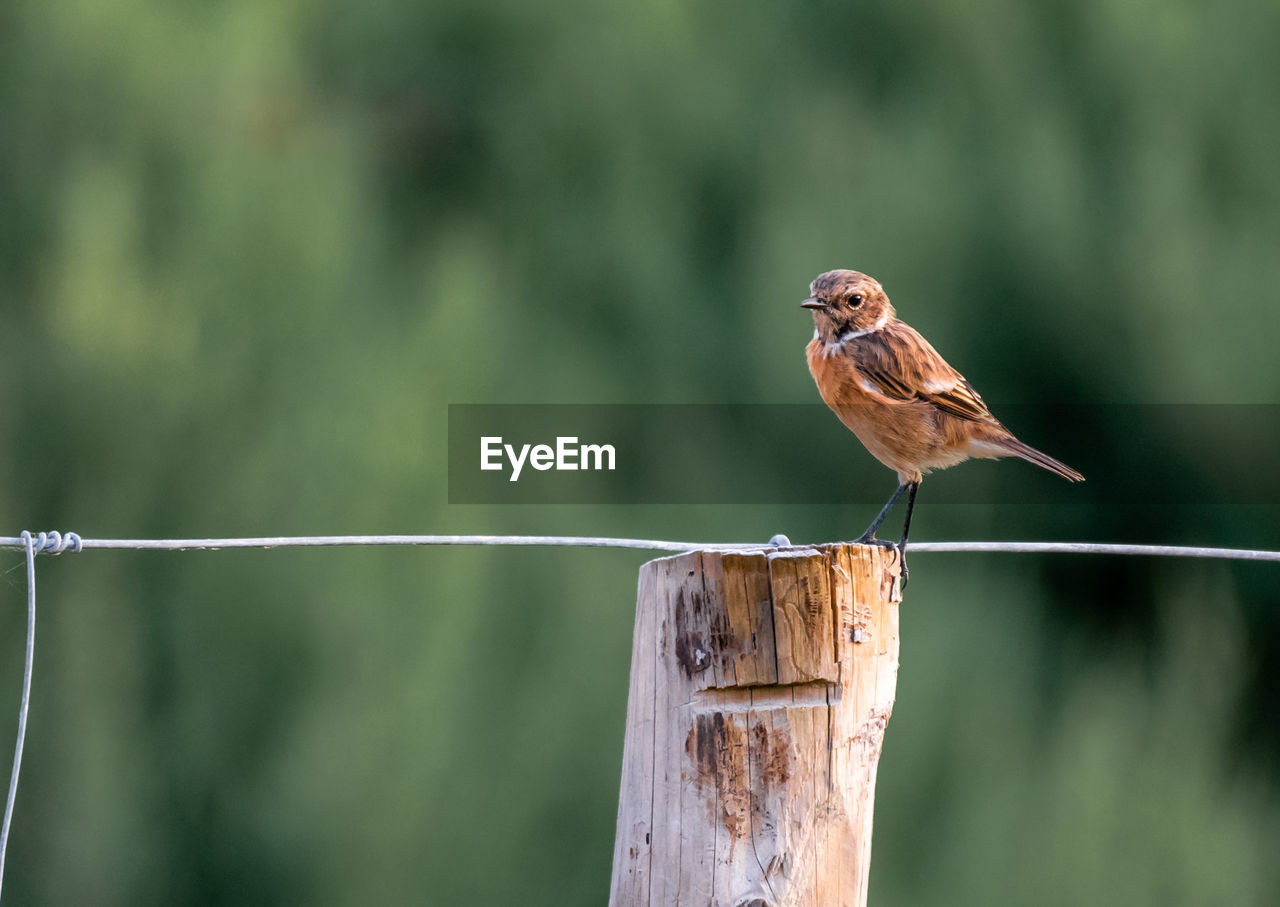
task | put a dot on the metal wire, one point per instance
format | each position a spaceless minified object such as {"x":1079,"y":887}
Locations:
{"x":1229,"y":554}
{"x":336,"y":541}
{"x":55,"y":543}
{"x":30,"y":545}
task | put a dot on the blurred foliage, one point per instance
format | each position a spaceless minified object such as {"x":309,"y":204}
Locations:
{"x":249,"y":253}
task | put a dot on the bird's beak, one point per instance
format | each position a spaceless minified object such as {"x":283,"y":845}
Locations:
{"x":812,"y":303}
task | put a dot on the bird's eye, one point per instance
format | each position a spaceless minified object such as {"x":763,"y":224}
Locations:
{"x":855,"y":300}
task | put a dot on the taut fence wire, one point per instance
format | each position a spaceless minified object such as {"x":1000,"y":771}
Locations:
{"x":53,"y":543}
{"x":56,"y":543}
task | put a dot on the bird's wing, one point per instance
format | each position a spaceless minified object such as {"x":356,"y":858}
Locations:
{"x":903,"y":366}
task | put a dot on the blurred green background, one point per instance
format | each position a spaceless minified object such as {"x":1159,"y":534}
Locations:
{"x":249,"y":253}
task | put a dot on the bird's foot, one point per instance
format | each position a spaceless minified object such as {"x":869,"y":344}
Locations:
{"x":900,"y":548}
{"x":869,"y":538}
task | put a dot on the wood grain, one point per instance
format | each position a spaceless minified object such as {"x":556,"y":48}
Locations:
{"x":761,"y":685}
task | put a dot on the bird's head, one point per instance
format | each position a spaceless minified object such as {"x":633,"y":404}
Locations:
{"x":844,"y":301}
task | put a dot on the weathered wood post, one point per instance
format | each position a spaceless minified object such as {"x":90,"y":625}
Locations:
{"x":761,"y":683}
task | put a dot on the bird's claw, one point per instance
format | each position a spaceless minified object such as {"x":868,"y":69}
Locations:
{"x":898,"y":548}
{"x":872,"y":540}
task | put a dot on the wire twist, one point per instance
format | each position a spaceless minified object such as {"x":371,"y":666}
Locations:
{"x":52,"y":542}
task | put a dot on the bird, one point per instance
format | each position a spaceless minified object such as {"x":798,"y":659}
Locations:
{"x":911,"y":410}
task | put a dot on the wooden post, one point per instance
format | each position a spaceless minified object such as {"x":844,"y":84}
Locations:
{"x":761,"y":683}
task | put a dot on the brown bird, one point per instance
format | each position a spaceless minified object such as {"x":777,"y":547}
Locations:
{"x":892,"y":389}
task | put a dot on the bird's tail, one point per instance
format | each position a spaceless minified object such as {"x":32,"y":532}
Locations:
{"x":1043,"y":460}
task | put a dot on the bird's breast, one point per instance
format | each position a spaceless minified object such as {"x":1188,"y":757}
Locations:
{"x":837,"y":376}
{"x":904,"y":435}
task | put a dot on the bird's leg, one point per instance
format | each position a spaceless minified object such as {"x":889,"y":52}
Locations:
{"x":911,"y":503}
{"x":906,"y":528}
{"x":869,"y":537}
